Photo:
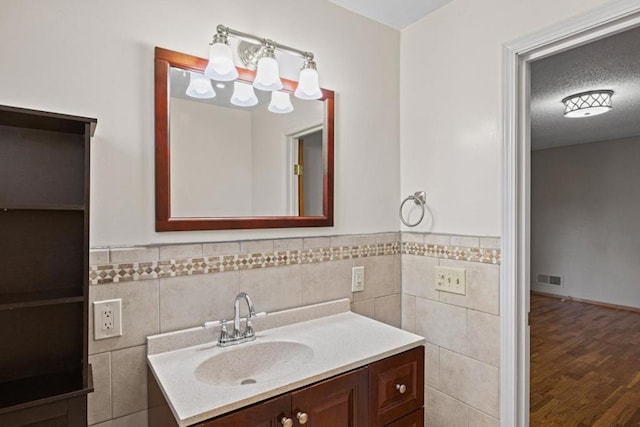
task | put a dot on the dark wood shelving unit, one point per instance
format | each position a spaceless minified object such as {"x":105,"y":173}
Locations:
{"x":35,"y":299}
{"x":43,"y":207}
{"x":44,"y":285}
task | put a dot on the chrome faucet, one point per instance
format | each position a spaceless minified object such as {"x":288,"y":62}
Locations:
{"x":248,"y":330}
{"x":237,"y":336}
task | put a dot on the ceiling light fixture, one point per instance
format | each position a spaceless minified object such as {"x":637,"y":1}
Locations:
{"x":199,"y":86}
{"x":587,"y":104}
{"x":259,"y":53}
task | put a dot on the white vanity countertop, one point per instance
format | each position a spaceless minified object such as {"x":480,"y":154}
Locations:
{"x":340,"y":342}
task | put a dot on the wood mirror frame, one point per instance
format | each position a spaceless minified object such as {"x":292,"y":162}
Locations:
{"x":164,"y":59}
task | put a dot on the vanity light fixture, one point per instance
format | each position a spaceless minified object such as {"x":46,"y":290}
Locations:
{"x":268,"y":74}
{"x":199,"y":86}
{"x":257,"y":52}
{"x":280,"y":103}
{"x":243,"y":95}
{"x":308,"y":86}
{"x":220,"y":66}
{"x":587,"y":104}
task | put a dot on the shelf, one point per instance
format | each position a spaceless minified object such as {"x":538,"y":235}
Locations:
{"x":34,"y":119}
{"x":38,"y":299}
{"x":33,"y":391}
{"x":40,"y":207}
{"x":41,"y":168}
{"x":44,"y":289}
{"x":45,"y":251}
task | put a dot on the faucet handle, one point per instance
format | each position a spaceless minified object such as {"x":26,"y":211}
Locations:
{"x":224,"y":333}
{"x":248,"y":330}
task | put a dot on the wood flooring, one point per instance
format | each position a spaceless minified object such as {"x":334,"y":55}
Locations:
{"x":585,"y":365}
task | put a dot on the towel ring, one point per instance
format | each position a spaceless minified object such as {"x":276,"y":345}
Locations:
{"x":419,"y":198}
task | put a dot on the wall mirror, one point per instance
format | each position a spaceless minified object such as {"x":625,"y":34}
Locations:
{"x":225,"y":166}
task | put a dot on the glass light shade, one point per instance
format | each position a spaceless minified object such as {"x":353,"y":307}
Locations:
{"x":268,"y":75}
{"x":588,"y":104}
{"x":243,"y":95}
{"x":280,"y":103}
{"x":308,"y":86}
{"x":199,"y":86}
{"x":220,"y":66}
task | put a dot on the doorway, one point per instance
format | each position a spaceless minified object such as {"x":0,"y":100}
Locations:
{"x":605,"y":21}
{"x":307,"y":176}
{"x":585,"y":237}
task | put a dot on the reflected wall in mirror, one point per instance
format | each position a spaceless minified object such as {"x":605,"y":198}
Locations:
{"x":228,"y":159}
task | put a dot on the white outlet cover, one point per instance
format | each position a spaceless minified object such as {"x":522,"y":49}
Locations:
{"x":100,"y":308}
{"x":357,"y":279}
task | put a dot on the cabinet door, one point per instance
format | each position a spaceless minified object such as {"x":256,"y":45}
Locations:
{"x":414,"y":419}
{"x":396,"y":386}
{"x":265,"y":414}
{"x":337,"y":402}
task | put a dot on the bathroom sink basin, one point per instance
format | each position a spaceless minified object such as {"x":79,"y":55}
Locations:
{"x":256,"y":362}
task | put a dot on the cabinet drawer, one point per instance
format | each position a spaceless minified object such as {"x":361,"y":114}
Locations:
{"x":265,"y":414}
{"x":396,"y":386}
{"x":414,"y":419}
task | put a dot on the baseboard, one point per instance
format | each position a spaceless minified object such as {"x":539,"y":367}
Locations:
{"x":587,"y":301}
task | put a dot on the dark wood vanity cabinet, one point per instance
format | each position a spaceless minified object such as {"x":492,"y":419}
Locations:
{"x":265,"y":414}
{"x":339,"y":401}
{"x":396,"y":386}
{"x":44,"y":247}
{"x":414,"y":419}
{"x":365,"y":397}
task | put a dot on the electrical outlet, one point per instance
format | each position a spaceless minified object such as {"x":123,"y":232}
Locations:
{"x":453,"y":280}
{"x":107,"y":319}
{"x":357,"y":279}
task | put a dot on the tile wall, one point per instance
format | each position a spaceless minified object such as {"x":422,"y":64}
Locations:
{"x":462,"y":332}
{"x":165,"y":288}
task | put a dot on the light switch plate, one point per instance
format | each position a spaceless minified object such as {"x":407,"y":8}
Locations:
{"x":453,"y":280}
{"x":107,"y":319}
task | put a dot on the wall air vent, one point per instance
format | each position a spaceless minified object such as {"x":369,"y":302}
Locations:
{"x":547,"y":279}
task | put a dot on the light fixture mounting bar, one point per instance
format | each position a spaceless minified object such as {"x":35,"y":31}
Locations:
{"x":222,"y":30}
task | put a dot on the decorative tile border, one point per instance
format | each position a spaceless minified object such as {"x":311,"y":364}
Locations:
{"x":486,"y":256}
{"x":116,"y":273}
{"x":158,"y":269}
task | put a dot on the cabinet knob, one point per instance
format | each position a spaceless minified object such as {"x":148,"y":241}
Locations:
{"x":286,"y":422}
{"x":302,"y":417}
{"x":401,"y":388}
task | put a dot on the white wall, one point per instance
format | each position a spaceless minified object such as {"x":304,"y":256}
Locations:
{"x":271,"y":171}
{"x":210,"y":150}
{"x":450,"y":105}
{"x":585,"y":206}
{"x":96,"y":59}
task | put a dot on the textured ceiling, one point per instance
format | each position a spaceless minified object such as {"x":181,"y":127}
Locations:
{"x":393,"y":13}
{"x":611,"y":63}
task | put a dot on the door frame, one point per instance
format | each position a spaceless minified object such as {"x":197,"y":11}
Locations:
{"x":606,"y":20}
{"x":292,"y":137}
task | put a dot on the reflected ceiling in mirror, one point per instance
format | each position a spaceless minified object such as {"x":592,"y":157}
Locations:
{"x":225,"y":166}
